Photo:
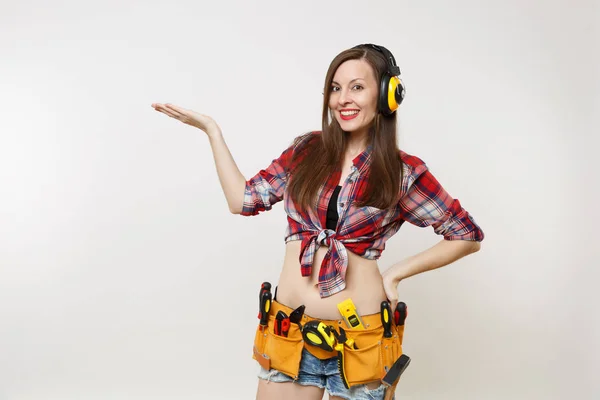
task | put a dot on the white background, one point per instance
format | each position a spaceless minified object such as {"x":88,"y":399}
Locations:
{"x":124,"y":276}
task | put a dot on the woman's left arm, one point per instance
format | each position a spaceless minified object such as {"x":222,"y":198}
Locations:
{"x":426,"y":203}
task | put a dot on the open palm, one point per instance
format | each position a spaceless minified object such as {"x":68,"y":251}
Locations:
{"x":190,"y":117}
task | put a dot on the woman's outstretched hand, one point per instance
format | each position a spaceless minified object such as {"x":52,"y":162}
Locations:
{"x":190,"y":117}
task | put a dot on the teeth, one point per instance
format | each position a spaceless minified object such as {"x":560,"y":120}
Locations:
{"x":346,"y":113}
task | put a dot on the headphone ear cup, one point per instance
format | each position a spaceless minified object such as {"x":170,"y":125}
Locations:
{"x":384,"y":89}
{"x":391,"y":95}
{"x":400,"y":91}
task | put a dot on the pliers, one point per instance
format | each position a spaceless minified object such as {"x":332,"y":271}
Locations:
{"x":342,"y":341}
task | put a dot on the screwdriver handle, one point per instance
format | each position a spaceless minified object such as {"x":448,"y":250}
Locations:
{"x":386,"y":319}
{"x":265,"y":306}
{"x":400,"y":313}
{"x":264,"y":287}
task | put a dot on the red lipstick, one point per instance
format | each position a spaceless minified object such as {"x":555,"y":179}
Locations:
{"x":348,"y":117}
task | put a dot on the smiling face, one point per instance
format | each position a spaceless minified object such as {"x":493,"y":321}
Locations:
{"x":353,"y":98}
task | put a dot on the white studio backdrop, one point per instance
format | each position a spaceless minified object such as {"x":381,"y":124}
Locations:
{"x":124,"y":276}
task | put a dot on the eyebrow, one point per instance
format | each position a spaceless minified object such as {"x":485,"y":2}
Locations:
{"x":355,"y":79}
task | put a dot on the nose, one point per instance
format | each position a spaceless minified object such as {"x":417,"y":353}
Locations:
{"x":344,"y":97}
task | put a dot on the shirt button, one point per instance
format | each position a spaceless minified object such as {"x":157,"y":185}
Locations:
{"x":341,"y":204}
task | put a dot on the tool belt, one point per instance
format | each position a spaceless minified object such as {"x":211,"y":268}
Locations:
{"x":369,"y":357}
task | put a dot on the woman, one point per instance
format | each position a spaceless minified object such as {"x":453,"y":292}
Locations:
{"x":346,"y":190}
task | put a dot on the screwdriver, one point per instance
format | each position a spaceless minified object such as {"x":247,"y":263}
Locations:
{"x":400,"y":313}
{"x":265,"y":286}
{"x":386,"y":319}
{"x":265,"y":306}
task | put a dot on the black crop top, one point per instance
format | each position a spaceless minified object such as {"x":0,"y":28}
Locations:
{"x":332,"y":215}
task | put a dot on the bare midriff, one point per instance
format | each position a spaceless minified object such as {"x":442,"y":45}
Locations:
{"x":363,"y":285}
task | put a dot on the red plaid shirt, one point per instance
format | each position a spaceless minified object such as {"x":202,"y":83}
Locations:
{"x":422,"y":201}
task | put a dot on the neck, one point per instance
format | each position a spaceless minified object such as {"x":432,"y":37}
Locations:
{"x":357,"y":142}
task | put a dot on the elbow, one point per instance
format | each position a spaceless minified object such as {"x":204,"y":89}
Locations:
{"x":467,"y":246}
{"x":235,"y":210}
{"x":474,"y":247}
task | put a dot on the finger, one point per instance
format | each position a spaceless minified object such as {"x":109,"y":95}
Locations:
{"x":184,"y":112}
{"x":176,"y":109}
{"x":167,"y":111}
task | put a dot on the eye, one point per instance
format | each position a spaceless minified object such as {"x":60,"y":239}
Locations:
{"x":358,"y":86}
{"x":333,"y":88}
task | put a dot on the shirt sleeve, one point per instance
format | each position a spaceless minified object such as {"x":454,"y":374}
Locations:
{"x":426,"y":203}
{"x":266,"y":187}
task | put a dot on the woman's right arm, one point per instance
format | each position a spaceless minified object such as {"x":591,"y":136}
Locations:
{"x":231,"y":179}
{"x":244,"y":197}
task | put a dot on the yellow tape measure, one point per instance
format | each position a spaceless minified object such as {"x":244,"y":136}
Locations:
{"x":318,"y":334}
{"x":348,"y":311}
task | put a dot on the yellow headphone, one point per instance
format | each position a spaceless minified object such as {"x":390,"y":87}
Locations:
{"x":391,"y":89}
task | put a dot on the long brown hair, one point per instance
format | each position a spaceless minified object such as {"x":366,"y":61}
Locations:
{"x":324,"y":153}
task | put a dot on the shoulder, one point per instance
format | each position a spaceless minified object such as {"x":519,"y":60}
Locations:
{"x":305,"y":138}
{"x":413,"y":167}
{"x":303,"y":141}
{"x":412,"y":164}
{"x":294,"y":153}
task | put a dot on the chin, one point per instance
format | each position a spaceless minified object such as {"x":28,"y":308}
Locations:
{"x":351,"y":129}
{"x":348,"y":127}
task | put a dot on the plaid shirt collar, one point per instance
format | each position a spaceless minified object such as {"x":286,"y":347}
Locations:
{"x":362,"y":161}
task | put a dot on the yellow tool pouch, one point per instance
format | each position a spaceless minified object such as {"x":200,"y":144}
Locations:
{"x":369,"y":362}
{"x":374,"y":355}
{"x":278,"y":352}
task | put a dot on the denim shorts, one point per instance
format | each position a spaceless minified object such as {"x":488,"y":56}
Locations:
{"x":324,"y":374}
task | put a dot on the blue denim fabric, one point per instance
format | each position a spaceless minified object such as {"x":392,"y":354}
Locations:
{"x":324,"y":374}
